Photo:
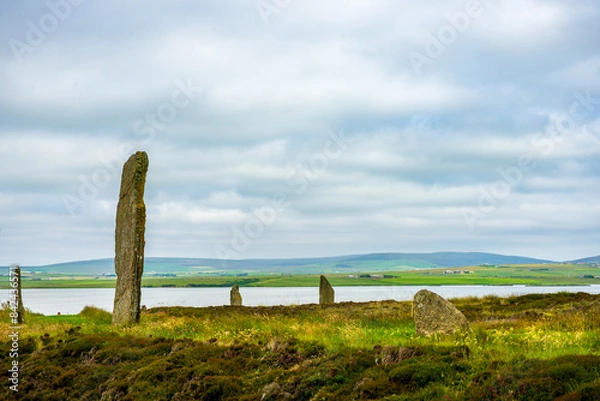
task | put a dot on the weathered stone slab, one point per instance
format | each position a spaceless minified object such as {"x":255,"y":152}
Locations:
{"x":15,"y":279}
{"x":326,"y":292}
{"x":434,"y":314}
{"x":235,"y":298}
{"x":129,"y":240}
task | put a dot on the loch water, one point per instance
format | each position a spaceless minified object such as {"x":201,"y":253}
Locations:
{"x":72,"y":301}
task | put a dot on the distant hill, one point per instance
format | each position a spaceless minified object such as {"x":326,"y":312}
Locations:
{"x":591,"y":259}
{"x":379,"y":262}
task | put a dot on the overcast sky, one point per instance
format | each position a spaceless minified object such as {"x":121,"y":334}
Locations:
{"x":297,"y":128}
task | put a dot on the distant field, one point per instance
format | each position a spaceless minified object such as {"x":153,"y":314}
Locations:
{"x":533,"y":274}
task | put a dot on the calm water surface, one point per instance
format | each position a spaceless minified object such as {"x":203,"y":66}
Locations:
{"x":72,"y":301}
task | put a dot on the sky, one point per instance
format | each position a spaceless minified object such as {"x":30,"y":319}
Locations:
{"x":288,"y":128}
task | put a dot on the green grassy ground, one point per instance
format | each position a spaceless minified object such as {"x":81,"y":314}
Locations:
{"x":548,"y":274}
{"x":534,"y":347}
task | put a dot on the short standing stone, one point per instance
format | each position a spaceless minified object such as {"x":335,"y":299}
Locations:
{"x":434,"y":314}
{"x":129,"y":240}
{"x":326,"y":292}
{"x":235,"y":298}
{"x":20,"y":308}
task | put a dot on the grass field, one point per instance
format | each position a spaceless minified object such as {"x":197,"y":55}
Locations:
{"x":545,"y":274}
{"x":534,"y":347}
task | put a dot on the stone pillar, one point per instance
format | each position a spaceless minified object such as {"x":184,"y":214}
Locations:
{"x":20,"y":307}
{"x":129,"y":240}
{"x":15,"y":278}
{"x":326,"y":292}
{"x":235,"y":298}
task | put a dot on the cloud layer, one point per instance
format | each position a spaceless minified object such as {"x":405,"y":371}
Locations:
{"x":302,"y":128}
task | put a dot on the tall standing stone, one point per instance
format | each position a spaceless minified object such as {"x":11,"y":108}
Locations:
{"x":326,"y":292}
{"x":235,"y":298}
{"x":434,"y":314}
{"x":129,"y":240}
{"x":15,"y":278}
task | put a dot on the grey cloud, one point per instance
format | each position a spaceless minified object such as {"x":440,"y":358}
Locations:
{"x":424,"y":146}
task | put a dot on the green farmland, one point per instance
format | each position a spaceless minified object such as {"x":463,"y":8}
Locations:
{"x":529,"y":274}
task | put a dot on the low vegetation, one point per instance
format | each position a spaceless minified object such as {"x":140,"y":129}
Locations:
{"x":533,"y":347}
